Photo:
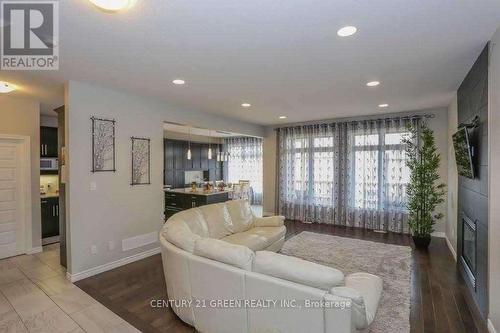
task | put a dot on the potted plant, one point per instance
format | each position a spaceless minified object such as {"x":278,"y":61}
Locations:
{"x":424,"y":191}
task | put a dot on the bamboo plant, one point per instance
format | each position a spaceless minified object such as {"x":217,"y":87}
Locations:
{"x":424,"y":190}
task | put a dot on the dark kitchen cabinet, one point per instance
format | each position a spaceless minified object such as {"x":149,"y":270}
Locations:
{"x":176,"y":162}
{"x":177,"y":201}
{"x":50,"y":217}
{"x":48,"y":141}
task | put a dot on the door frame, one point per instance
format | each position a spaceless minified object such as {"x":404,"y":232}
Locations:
{"x":25,"y":161}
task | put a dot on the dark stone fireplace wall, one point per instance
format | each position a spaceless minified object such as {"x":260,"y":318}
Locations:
{"x":472,"y":99}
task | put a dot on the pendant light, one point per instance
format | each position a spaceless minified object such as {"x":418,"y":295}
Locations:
{"x":189,"y":145}
{"x":209,"y":145}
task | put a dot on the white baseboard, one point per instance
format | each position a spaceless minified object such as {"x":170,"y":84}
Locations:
{"x":109,"y":266}
{"x":450,"y":247}
{"x":491,"y":328}
{"x":439,"y":234}
{"x":34,"y":250}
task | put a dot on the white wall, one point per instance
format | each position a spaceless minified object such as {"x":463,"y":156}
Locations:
{"x":439,"y":125}
{"x":49,"y":121}
{"x":494,"y":165}
{"x":116,"y":210}
{"x":452,"y":212}
{"x":22,"y":117}
{"x":269,"y":172}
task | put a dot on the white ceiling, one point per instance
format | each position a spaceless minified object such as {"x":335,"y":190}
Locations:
{"x":282,"y":56}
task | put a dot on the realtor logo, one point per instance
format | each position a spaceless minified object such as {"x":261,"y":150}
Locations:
{"x":29,"y":35}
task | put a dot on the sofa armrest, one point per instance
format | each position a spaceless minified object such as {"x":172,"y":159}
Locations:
{"x":365,"y":291}
{"x":270,"y":221}
{"x":338,"y":314}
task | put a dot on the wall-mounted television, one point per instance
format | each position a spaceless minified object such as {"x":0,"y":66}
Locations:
{"x":464,"y":152}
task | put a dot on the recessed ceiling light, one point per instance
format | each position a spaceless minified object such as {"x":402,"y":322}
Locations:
{"x":383,"y":105}
{"x":282,"y":117}
{"x":178,"y":82}
{"x":246,"y":105}
{"x":113,"y":5}
{"x":372,"y":83}
{"x":347,"y":31}
{"x":6,"y":87}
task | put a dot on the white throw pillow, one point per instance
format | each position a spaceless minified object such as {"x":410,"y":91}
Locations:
{"x":218,"y":220}
{"x":297,"y":270}
{"x":231,"y":254}
{"x":241,"y":215}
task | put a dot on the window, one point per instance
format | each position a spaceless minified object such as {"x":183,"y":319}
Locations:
{"x":380,"y":172}
{"x":318,"y":184}
{"x":350,"y":173}
{"x":245,"y":163}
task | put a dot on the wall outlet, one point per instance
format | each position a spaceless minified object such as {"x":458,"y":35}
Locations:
{"x":93,"y":249}
{"x":93,"y":186}
{"x":111,"y":245}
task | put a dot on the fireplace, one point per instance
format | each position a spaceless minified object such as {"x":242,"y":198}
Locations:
{"x":469,"y":248}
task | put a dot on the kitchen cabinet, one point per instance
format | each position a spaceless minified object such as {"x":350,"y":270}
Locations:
{"x":50,"y":217}
{"x":179,"y":200}
{"x":176,"y":162}
{"x":48,"y":141}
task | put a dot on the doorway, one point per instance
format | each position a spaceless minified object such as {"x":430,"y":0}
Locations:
{"x":15,"y":195}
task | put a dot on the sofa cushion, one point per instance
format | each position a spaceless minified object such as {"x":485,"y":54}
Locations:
{"x":195,"y":221}
{"x":218,"y":220}
{"x":178,"y":233}
{"x":269,"y":221}
{"x":364,"y":290}
{"x":257,"y":238}
{"x":241,"y":215}
{"x":231,"y":254}
{"x":297,"y":270}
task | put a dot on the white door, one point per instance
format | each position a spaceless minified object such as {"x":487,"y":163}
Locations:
{"x":12,"y":234}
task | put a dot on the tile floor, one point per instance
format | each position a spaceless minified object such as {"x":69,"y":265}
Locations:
{"x":36,"y":297}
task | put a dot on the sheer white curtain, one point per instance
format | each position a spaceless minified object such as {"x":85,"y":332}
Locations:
{"x":245,"y":163}
{"x":346,"y":173}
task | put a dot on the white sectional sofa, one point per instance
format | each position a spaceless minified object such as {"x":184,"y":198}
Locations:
{"x":223,"y":275}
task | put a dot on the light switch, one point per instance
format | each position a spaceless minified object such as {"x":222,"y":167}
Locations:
{"x":111,"y":245}
{"x":93,"y":186}
{"x":93,"y":249}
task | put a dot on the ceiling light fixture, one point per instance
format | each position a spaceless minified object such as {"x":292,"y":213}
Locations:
{"x":6,"y":87}
{"x":347,"y":31}
{"x":113,"y":5}
{"x":178,"y":82}
{"x":209,"y":145}
{"x":373,"y":83}
{"x":383,"y":105}
{"x":246,"y":105}
{"x":282,"y":117}
{"x":189,"y":144}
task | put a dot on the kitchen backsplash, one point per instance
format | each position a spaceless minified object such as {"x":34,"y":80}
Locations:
{"x":49,"y":183}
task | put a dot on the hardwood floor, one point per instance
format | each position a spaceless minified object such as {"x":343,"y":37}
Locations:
{"x":439,"y":299}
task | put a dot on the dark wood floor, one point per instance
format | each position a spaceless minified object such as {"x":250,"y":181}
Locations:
{"x":439,"y":299}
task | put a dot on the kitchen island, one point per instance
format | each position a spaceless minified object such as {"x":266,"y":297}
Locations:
{"x":180,"y":199}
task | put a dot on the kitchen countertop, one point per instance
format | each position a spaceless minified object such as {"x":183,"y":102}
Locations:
{"x":198,"y":192}
{"x":49,"y":195}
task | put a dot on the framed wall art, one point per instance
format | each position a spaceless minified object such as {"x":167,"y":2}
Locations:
{"x":103,"y":145}
{"x":141,"y":161}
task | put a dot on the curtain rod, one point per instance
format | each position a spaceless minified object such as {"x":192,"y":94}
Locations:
{"x":426,"y":116}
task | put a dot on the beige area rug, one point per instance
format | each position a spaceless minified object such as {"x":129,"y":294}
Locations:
{"x":391,"y":262}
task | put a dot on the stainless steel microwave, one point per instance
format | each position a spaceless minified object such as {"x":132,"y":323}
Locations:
{"x":48,"y":164}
